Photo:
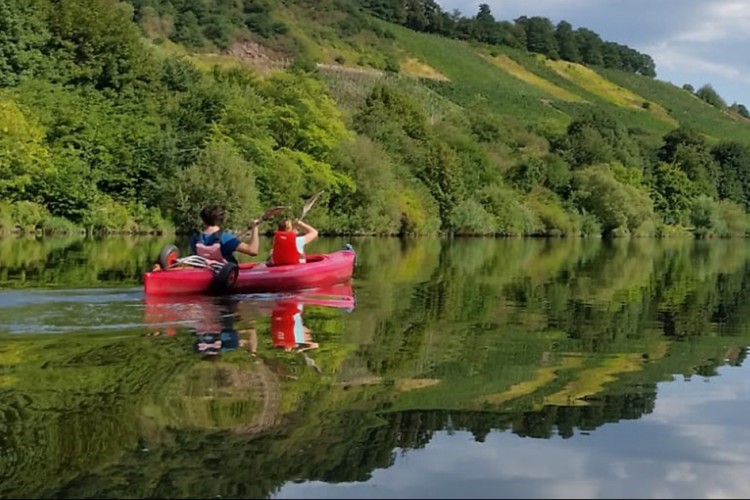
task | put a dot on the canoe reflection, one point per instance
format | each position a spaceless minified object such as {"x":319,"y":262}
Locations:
{"x":227,"y":323}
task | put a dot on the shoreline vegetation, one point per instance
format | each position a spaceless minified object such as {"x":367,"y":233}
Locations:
{"x":71,"y":230}
{"x":128,"y":117}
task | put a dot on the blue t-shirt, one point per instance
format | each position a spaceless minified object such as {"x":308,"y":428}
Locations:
{"x":230,"y":340}
{"x":228,"y":241}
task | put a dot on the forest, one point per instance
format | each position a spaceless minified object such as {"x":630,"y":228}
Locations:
{"x":131,"y":116}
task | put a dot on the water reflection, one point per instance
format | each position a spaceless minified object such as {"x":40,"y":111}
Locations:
{"x":615,"y":357}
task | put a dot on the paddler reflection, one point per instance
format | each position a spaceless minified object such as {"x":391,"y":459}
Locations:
{"x":223,"y":324}
{"x":222,"y":335}
{"x":288,"y":329}
{"x":290,"y":333}
{"x":213,"y":322}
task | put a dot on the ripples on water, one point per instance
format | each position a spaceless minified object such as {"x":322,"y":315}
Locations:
{"x":461,"y":368}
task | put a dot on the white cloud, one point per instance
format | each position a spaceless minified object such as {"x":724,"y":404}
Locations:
{"x":673,"y":59}
{"x":721,"y":21}
{"x":695,"y":444}
{"x":690,"y":40}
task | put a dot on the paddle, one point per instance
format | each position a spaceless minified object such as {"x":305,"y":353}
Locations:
{"x":267,"y":215}
{"x":311,"y":362}
{"x":309,"y":204}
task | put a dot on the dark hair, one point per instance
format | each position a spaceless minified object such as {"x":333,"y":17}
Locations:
{"x":212,"y":215}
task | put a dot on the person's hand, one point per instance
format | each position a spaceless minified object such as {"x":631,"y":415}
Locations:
{"x":255,"y":223}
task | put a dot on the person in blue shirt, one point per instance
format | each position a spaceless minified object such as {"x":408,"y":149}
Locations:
{"x":218,"y":332}
{"x":216,"y":244}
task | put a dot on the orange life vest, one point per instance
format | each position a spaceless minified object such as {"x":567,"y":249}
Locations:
{"x":285,"y":249}
{"x":282,"y":325}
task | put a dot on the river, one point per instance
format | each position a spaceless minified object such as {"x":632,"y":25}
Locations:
{"x":452,"y":368}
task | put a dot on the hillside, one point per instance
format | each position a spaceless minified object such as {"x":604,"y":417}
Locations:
{"x":132,"y":118}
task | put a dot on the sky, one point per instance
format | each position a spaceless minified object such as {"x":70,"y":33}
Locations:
{"x":691,"y":41}
{"x":694,"y":444}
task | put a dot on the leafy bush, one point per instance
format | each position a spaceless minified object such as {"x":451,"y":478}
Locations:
{"x":704,"y":216}
{"x":620,"y":208}
{"x":590,"y":226}
{"x":6,"y":217}
{"x":23,"y":157}
{"x":734,"y":221}
{"x":672,"y":192}
{"x":740,"y":109}
{"x":59,"y":225}
{"x":470,"y":217}
{"x":219,"y":176}
{"x":28,"y":215}
{"x":548,"y":210}
{"x":511,"y":218}
{"x":106,"y":216}
{"x":373,"y":206}
{"x":149,"y":219}
{"x":708,"y":94}
{"x":485,"y":127}
{"x":419,"y":212}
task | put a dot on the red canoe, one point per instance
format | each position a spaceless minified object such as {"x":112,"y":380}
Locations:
{"x":319,"y":271}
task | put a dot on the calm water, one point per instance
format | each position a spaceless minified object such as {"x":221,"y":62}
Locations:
{"x":463,"y":368}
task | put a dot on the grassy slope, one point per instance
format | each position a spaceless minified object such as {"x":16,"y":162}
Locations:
{"x":525,"y":90}
{"x":473,"y":76}
{"x":685,"y":107}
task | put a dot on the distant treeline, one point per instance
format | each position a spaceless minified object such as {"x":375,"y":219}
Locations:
{"x":535,"y":34}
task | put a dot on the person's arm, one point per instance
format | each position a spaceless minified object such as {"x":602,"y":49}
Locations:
{"x":192,"y":242}
{"x":251,"y":247}
{"x":309,"y":232}
{"x":252,"y":341}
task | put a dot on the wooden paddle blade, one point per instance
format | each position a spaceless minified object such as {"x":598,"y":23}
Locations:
{"x":309,"y":204}
{"x":273,"y":212}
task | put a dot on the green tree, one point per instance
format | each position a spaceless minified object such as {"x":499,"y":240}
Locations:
{"x":611,"y":55}
{"x":596,"y":137}
{"x":734,"y":164}
{"x":373,"y":206}
{"x":708,"y":94}
{"x":485,"y":28}
{"x":95,"y":43}
{"x":617,"y":206}
{"x":672,"y":192}
{"x":540,"y":36}
{"x":24,"y":159}
{"x":219,"y":176}
{"x":647,"y":66}
{"x":23,"y":39}
{"x":305,"y":118}
{"x":704,"y":215}
{"x":589,"y":46}
{"x":740,"y":109}
{"x":686,"y":148}
{"x":566,"y":42}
